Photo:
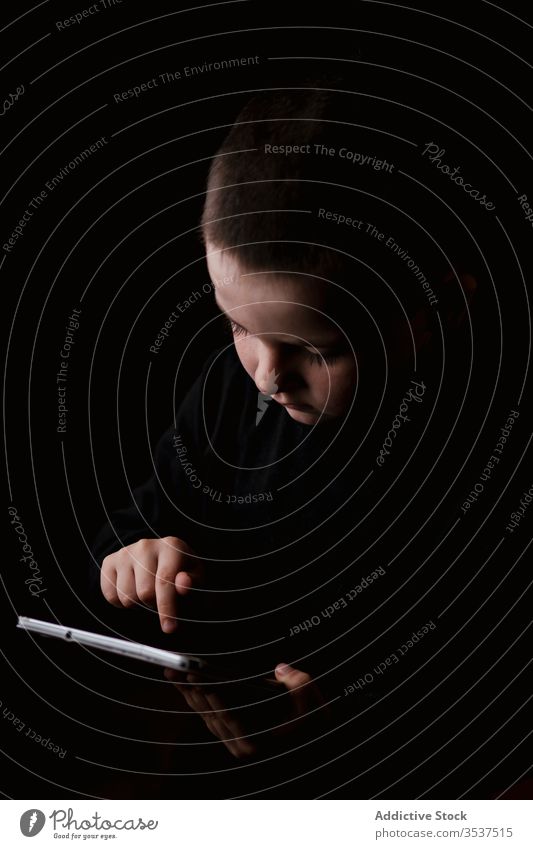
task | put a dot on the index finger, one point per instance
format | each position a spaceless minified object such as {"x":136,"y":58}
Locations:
{"x":165,"y":589}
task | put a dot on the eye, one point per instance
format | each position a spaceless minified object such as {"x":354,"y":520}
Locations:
{"x":321,"y":359}
{"x":235,"y":328}
{"x":316,"y":359}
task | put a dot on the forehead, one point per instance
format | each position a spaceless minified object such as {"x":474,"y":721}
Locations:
{"x":277,"y":292}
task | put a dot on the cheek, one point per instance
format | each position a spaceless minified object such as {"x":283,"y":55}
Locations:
{"x":245,"y":353}
{"x":345,"y":384}
{"x":337,"y":381}
{"x":322,"y":382}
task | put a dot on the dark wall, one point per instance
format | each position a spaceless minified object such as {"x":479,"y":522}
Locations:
{"x":116,"y":237}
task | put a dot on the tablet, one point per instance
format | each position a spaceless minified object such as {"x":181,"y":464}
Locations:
{"x":187,"y":663}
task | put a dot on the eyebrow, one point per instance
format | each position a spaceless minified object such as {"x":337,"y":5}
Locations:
{"x":296,"y":345}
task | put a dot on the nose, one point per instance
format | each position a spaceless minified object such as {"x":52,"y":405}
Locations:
{"x":276,"y":370}
{"x":269,"y":385}
{"x":271,"y":369}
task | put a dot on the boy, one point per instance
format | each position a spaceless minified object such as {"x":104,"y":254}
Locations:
{"x":272,"y":464}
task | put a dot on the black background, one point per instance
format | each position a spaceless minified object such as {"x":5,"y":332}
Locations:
{"x":118,"y":237}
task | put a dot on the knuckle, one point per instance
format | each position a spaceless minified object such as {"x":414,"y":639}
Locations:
{"x":165,"y":575}
{"x":108,"y":588}
{"x":126,"y":600}
{"x":105,"y":578}
{"x":146,"y":594}
{"x":108,"y":562}
{"x":176,"y":542}
{"x":139,"y":547}
{"x":110,"y":595}
{"x":119,"y":560}
{"x":137,"y":551}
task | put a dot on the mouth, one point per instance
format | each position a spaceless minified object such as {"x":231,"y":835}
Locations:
{"x":304,"y":408}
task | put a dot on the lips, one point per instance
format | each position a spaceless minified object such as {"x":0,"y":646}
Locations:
{"x":302,"y":407}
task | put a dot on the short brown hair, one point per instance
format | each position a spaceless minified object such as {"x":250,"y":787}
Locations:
{"x":262,"y":204}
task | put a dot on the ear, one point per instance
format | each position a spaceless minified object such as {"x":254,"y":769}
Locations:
{"x":454,"y":299}
{"x":456,"y":293}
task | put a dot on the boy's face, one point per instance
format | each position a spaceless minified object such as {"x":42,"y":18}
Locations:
{"x":285,"y":340}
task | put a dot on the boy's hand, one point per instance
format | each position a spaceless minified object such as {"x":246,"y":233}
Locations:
{"x":308,"y":716}
{"x":153,"y":572}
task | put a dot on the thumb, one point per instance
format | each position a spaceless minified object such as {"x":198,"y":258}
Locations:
{"x":184,"y":581}
{"x":285,"y":674}
{"x":304,"y":693}
{"x":191,"y":574}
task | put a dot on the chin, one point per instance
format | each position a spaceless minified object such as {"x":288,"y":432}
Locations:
{"x":307,"y":417}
